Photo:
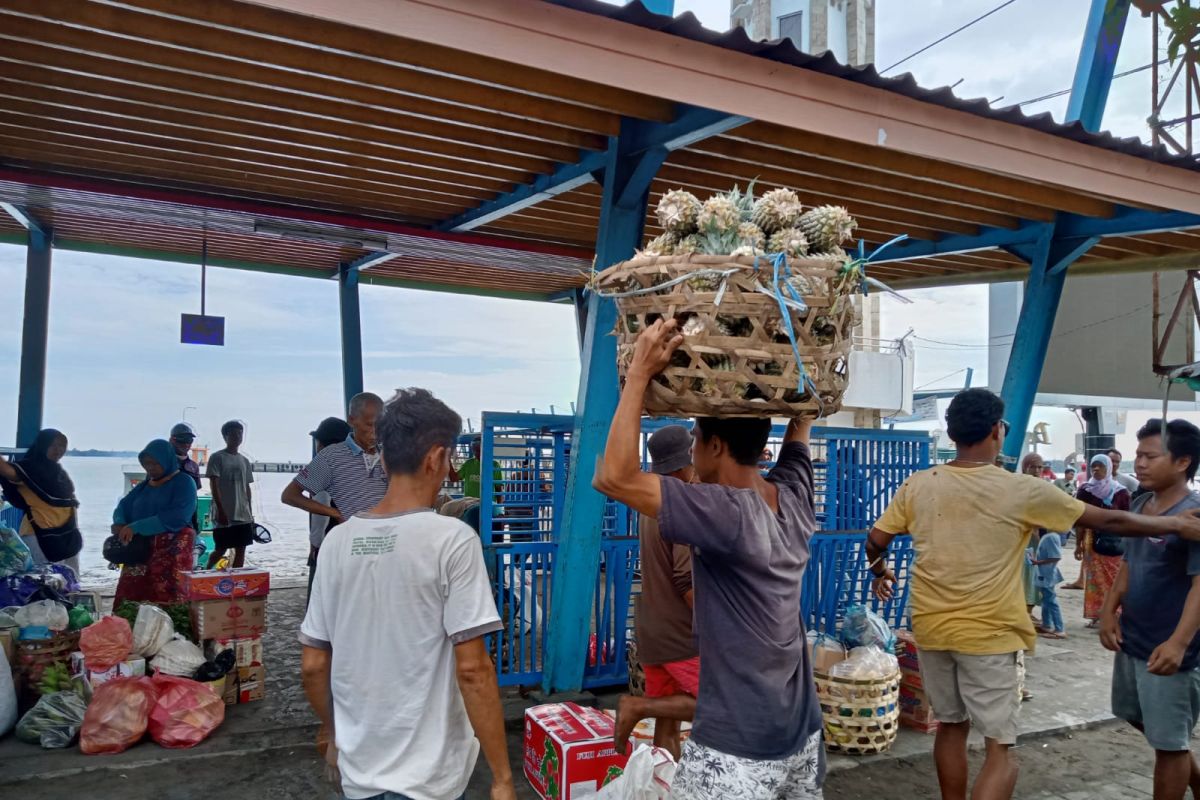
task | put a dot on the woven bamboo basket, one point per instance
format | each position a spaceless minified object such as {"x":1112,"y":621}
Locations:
{"x":737,"y":358}
{"x":33,"y":656}
{"x":861,"y":716}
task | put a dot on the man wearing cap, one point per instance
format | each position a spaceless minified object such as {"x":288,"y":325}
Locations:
{"x":182,"y":437}
{"x":663,"y":613}
{"x":331,"y":431}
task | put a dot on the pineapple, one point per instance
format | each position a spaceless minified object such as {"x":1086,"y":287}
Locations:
{"x":663,"y":245}
{"x":677,"y":211}
{"x":776,"y":210}
{"x":827,"y":227}
{"x":688,"y":245}
{"x":694,"y":326}
{"x":718,"y":222}
{"x":790,"y":241}
{"x":750,"y":235}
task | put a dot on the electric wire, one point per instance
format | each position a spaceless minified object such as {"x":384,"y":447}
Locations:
{"x":947,"y":36}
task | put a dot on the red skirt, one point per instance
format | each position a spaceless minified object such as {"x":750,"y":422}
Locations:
{"x":157,"y":581}
{"x":1101,"y":575}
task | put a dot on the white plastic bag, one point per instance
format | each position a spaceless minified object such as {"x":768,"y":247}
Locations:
{"x":43,"y":613}
{"x":8,"y":696}
{"x":648,"y":775}
{"x":866,"y":664}
{"x":178,"y":657}
{"x":152,"y":629}
{"x":15,"y":557}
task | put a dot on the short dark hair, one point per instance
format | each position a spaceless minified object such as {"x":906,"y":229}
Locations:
{"x":1183,"y":440}
{"x":412,"y":423}
{"x":1112,"y":451}
{"x":744,"y":437}
{"x":228,"y":426}
{"x":972,"y":415}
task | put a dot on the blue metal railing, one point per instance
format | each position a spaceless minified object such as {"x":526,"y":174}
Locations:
{"x":837,"y":577}
{"x":10,"y":517}
{"x":856,"y":473}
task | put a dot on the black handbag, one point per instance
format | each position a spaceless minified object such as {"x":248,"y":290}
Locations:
{"x":136,"y":552}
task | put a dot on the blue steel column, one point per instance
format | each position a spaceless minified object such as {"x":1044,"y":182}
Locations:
{"x":35,"y":331}
{"x":351,"y":318}
{"x":1051,"y":256}
{"x":627,"y":178}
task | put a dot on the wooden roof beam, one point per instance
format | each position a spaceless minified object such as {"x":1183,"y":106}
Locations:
{"x":610,"y":52}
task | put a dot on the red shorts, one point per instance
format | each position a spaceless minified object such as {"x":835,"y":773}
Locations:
{"x":675,"y":677}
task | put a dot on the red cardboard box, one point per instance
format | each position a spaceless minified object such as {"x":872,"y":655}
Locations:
{"x":569,"y":751}
{"x":915,"y":710}
{"x":912,"y":677}
{"x":224,"y":584}
{"x":235,"y":618}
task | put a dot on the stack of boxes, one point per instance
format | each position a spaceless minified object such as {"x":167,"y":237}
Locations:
{"x":229,"y":612}
{"x":915,"y":711}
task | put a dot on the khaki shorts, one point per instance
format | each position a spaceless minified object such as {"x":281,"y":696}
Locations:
{"x":982,"y":689}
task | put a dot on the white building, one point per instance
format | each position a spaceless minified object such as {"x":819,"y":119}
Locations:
{"x":844,"y":27}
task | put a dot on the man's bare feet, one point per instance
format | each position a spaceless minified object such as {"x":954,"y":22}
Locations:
{"x":629,"y":714}
{"x":1076,"y":586}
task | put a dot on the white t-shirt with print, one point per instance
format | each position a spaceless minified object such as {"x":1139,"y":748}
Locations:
{"x":391,"y":598}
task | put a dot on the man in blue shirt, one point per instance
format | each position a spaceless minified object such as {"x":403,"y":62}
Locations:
{"x":1156,"y":683}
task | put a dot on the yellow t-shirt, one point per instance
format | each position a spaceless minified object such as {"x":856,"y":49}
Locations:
{"x":970,"y":528}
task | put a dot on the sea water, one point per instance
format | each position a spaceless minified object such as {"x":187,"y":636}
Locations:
{"x":98,"y":485}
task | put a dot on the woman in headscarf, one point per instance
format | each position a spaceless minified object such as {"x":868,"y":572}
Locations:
{"x":37,"y":484}
{"x":1100,"y":551}
{"x":161,"y":508}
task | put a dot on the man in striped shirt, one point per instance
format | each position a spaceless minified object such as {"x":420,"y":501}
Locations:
{"x":350,"y":471}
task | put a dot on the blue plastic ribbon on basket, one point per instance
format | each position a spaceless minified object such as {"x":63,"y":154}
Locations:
{"x":780,"y":268}
{"x":861,"y":263}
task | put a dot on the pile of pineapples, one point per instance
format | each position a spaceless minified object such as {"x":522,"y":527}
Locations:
{"x":737,"y":224}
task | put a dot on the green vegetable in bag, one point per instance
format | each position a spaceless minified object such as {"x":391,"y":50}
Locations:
{"x":54,"y":722}
{"x":79,"y":617}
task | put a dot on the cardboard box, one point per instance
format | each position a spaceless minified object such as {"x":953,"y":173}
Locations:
{"x":569,"y":751}
{"x":224,"y":584}
{"x":824,"y":652}
{"x":912,"y":678}
{"x":133,"y":668}
{"x":915,"y":710}
{"x":230,"y":690}
{"x":234,"y":618}
{"x":246,"y":652}
{"x":252,"y":684}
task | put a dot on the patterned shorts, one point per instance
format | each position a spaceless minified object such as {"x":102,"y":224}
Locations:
{"x":705,"y":773}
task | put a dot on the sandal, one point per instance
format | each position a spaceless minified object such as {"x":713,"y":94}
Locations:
{"x":1048,"y":634}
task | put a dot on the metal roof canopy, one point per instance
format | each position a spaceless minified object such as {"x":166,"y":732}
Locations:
{"x":305,"y":134}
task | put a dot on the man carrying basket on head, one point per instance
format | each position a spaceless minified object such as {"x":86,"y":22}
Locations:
{"x":757,"y":731}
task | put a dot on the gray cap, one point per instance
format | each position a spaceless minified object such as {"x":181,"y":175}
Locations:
{"x":182,"y":430}
{"x":670,"y":449}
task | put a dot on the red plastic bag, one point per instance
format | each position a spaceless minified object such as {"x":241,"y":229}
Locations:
{"x":118,"y":715}
{"x":186,"y":712}
{"x":106,"y":643}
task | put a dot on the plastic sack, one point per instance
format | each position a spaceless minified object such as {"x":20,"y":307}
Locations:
{"x":648,"y":775}
{"x":106,"y":643}
{"x":826,"y":651}
{"x":54,"y":721}
{"x":866,"y":664}
{"x":178,"y":657}
{"x":8,"y":617}
{"x":220,"y":666}
{"x":8,"y":696}
{"x":43,"y":614}
{"x":185,"y":713}
{"x":118,"y":715}
{"x":80,"y":618}
{"x":864,"y":628}
{"x":14,"y":553}
{"x":152,"y":629}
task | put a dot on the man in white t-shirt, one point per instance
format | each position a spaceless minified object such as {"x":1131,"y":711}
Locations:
{"x":394,"y":661}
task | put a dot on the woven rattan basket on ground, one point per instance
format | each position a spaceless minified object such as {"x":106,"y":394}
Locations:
{"x":33,"y":656}
{"x":737,"y":358}
{"x":861,"y":716}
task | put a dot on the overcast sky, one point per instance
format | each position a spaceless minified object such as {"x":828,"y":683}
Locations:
{"x":118,"y":375}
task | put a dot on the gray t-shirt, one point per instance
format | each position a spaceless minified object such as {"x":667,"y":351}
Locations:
{"x":232,"y":474}
{"x":1161,"y":569}
{"x":757,"y":697}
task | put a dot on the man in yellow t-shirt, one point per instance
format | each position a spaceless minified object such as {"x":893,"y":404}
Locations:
{"x":970,"y":523}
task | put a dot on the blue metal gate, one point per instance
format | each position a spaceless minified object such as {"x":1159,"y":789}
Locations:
{"x":524,"y":494}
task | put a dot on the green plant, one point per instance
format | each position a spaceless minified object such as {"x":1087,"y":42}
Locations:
{"x":1183,"y":27}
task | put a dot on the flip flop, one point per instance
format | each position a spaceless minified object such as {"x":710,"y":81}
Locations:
{"x":1052,"y":634}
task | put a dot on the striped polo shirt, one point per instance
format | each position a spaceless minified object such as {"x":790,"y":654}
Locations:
{"x":354,"y":478}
